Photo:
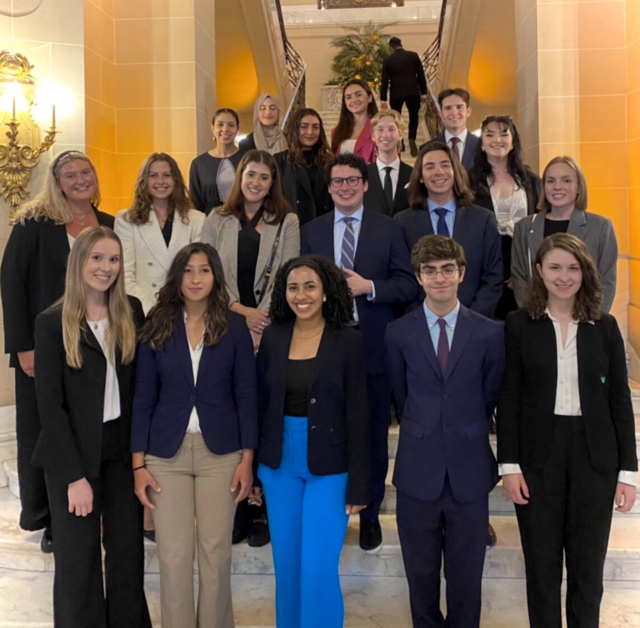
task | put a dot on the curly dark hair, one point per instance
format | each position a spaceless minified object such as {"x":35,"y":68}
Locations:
{"x":348,"y":159}
{"x":167,"y":312}
{"x":337,"y":310}
{"x":589,"y":297}
{"x":321,"y":149}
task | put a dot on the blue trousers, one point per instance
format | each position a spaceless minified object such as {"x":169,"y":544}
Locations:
{"x":308,"y":523}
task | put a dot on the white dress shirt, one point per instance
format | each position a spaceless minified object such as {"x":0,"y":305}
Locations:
{"x":568,"y":390}
{"x":461,"y":144}
{"x":111,"y":387}
{"x":395,"y":172}
{"x":194,"y":422}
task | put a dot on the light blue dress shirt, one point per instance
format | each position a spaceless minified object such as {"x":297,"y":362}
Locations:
{"x":434,"y":329}
{"x":449,"y":218}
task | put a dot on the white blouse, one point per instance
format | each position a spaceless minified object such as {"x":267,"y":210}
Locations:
{"x":509,"y":210}
{"x":348,"y":146}
{"x":196,"y":354}
{"x":111,"y":387}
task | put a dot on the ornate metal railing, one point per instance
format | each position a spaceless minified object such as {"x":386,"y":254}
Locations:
{"x":431,"y":62}
{"x":296,"y":69}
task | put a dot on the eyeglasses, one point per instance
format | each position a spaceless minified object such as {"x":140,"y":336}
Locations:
{"x":337,"y":182}
{"x":448,"y":272}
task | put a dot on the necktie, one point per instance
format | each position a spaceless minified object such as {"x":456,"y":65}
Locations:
{"x":348,"y":244}
{"x":443,"y":346}
{"x":442,"y":230}
{"x":388,"y":187}
{"x":454,"y":146}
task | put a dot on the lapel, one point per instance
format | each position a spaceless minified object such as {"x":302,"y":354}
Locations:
{"x":152,"y":236}
{"x":403,"y":178}
{"x":60,"y":242}
{"x":459,"y":221}
{"x":376,"y":191}
{"x":302,"y":177}
{"x":326,"y":349}
{"x":180,"y":236}
{"x":536,"y":236}
{"x":279,"y":353}
{"x":182,"y":348}
{"x":227,"y":241}
{"x":461,"y":334}
{"x":267,"y":238}
{"x":89,"y":339}
{"x":423,"y":335}
{"x":364,"y":136}
{"x":325,"y":235}
{"x":423,"y":220}
{"x":578,"y":224}
{"x":364,"y":239}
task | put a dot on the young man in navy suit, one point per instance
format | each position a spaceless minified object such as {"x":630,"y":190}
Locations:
{"x":446,"y":364}
{"x":371,"y":250}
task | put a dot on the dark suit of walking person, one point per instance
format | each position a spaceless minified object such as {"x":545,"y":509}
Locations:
{"x":446,"y":364}
{"x":566,"y":434}
{"x":403,"y":75}
{"x":32,"y":279}
{"x":370,"y":249}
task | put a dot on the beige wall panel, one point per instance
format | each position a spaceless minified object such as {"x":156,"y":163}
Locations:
{"x":108,"y":72}
{"x":605,"y":164}
{"x":633,"y":66}
{"x":602,"y":71}
{"x":150,"y":85}
{"x":101,"y":125}
{"x":149,"y":130}
{"x":634,"y":223}
{"x":601,"y":24}
{"x":612,"y":203}
{"x":559,"y":119}
{"x":602,"y":119}
{"x":633,"y":115}
{"x":50,"y":24}
{"x":634,"y":162}
{"x":92,"y":75}
{"x":204,"y":11}
{"x":100,"y":27}
{"x":154,"y":41}
{"x":558,"y":26}
{"x":125,"y":9}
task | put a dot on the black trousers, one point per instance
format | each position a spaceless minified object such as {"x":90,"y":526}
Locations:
{"x":34,"y":503}
{"x":413,"y":106}
{"x":79,"y":599}
{"x":456,"y":530}
{"x":568,"y":514}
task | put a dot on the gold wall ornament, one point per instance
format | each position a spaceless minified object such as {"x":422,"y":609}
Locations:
{"x":17,"y":161}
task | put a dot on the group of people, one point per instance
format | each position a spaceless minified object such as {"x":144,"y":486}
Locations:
{"x":241,"y":342}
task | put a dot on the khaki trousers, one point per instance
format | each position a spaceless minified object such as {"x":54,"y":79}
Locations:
{"x":195,"y":504}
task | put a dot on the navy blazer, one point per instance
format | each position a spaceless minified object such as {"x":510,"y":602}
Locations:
{"x":382,"y":257}
{"x":476,"y":230}
{"x":445,"y":420}
{"x":225,"y":394}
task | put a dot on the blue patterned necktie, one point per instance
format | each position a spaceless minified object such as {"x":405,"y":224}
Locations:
{"x":443,"y":346}
{"x":348,"y":254}
{"x":443,"y":230}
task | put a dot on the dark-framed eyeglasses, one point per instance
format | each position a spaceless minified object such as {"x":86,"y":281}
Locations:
{"x":337,"y":182}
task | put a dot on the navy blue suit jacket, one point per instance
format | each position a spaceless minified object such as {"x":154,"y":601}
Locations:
{"x":382,"y":257}
{"x":476,"y":230}
{"x":445,"y":420}
{"x":225,"y":394}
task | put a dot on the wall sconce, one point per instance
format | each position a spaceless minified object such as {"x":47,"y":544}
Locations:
{"x":18,"y":87}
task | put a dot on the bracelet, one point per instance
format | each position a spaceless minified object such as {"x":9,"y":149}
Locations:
{"x":142,"y":466}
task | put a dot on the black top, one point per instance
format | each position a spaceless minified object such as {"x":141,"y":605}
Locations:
{"x":167,"y":230}
{"x":403,"y":70}
{"x":299,"y":375}
{"x":248,"y":248}
{"x":247,"y":144}
{"x":555,"y":226}
{"x":203,"y":177}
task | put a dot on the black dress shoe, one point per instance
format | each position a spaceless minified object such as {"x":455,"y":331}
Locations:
{"x":414,"y":148}
{"x":492,"y":537}
{"x":241,"y":523}
{"x":150,"y":535}
{"x":370,"y":536}
{"x":259,"y":534}
{"x":46,"y":544}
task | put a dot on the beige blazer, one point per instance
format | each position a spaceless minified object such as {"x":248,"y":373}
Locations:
{"x":146,"y":256}
{"x":222,"y":233}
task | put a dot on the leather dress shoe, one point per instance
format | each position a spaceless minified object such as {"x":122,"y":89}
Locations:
{"x":370,"y":536}
{"x":492,"y":537}
{"x":46,"y":544}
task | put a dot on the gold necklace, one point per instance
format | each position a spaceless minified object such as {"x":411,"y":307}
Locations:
{"x":297,"y":333}
{"x":83,"y":219}
{"x":96,"y":321}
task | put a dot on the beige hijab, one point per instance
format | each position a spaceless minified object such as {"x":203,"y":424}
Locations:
{"x":270,"y":139}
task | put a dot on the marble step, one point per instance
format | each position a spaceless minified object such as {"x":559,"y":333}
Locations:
{"x":21,"y":550}
{"x":10,"y":470}
{"x":26,"y":602}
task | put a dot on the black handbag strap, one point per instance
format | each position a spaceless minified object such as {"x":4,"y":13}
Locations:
{"x":272,"y":257}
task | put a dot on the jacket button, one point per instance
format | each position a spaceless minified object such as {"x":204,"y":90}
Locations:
{"x":153,"y":285}
{"x":313,"y":427}
{"x":192,"y":398}
{"x":150,"y":263}
{"x":312,"y":400}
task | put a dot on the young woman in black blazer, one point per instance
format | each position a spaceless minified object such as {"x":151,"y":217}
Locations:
{"x":195,"y":426}
{"x":314,"y":447}
{"x":503,"y":184}
{"x":566,"y":435}
{"x":32,"y":279}
{"x":85,"y":350}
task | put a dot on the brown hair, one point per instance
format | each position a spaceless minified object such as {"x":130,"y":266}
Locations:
{"x":418,"y":192}
{"x":344,"y":128}
{"x":581,"y":198}
{"x":275,"y":206}
{"x":430,"y":248}
{"x":455,"y":91}
{"x":589,"y":297}
{"x":179,"y":201}
{"x":321,"y":150}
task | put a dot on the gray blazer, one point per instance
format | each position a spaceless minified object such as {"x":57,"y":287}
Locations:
{"x":222,"y":233}
{"x":594,"y":230}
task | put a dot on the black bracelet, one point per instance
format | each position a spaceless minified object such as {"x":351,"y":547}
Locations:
{"x":142,"y":466}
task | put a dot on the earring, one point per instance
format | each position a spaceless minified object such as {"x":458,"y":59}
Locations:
{"x":324,"y":299}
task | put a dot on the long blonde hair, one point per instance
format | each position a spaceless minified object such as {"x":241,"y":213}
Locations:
{"x":51,"y":203}
{"x":122,"y":330}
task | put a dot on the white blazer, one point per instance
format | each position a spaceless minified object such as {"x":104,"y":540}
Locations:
{"x":146,"y":256}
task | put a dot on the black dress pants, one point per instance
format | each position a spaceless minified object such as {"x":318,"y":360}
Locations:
{"x":79,"y":599}
{"x":568,"y":514}
{"x":34,"y":514}
{"x":413,"y":106}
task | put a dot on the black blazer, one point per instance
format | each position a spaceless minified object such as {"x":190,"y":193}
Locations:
{"x":470,"y":147}
{"x":307,"y":201}
{"x":70,"y":443}
{"x":247,"y":143}
{"x":526,"y":407}
{"x":403,"y":69}
{"x":32,"y":277}
{"x":337,"y":407}
{"x":374,"y":197}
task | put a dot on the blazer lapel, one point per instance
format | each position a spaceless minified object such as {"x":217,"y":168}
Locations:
{"x":327,"y":343}
{"x":578,"y":224}
{"x":536,"y":236}
{"x":364,"y":136}
{"x":152,"y":236}
{"x":88,"y":338}
{"x":303,"y":179}
{"x":180,"y":236}
{"x":182,"y":349}
{"x":325,"y":236}
{"x":364,"y":238}
{"x":403,"y":178}
{"x":424,"y":339}
{"x":459,"y":220}
{"x":461,"y":334}
{"x":267,"y":238}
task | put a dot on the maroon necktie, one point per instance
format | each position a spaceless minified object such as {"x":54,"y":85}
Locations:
{"x":443,"y":346}
{"x":454,"y":146}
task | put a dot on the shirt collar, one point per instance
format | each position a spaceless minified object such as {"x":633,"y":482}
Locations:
{"x":450,"y":206}
{"x":450,"y":319}
{"x":394,"y":164}
{"x":555,"y":320}
{"x":462,"y":137}
{"x":338,"y":216}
